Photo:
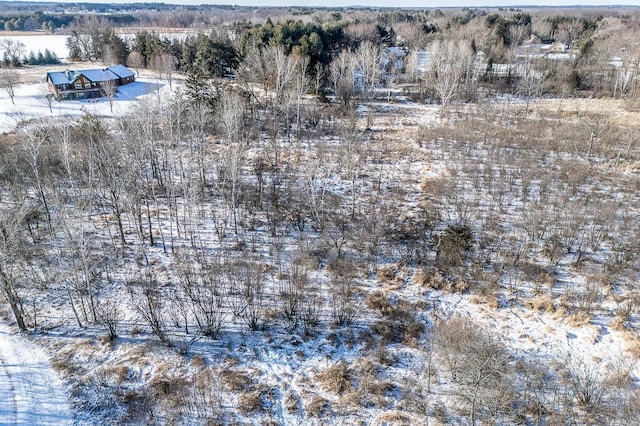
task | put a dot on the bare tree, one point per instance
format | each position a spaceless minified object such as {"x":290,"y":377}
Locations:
{"x":108,"y":55}
{"x":136,"y":61}
{"x":368,"y":57}
{"x":202,"y":290}
{"x":148,"y":302}
{"x":478,"y":362}
{"x":108,"y":173}
{"x":292,"y":291}
{"x":110,"y":88}
{"x":109,"y":316}
{"x":249,"y":293}
{"x":301,"y":87}
{"x":13,"y":50}
{"x":230,"y":113}
{"x":343,"y":291}
{"x":10,"y":265}
{"x":9,"y":80}
{"x":449,"y":61}
{"x":342,"y":75}
{"x":47,"y":96}
{"x":165,"y":65}
{"x":412,"y":33}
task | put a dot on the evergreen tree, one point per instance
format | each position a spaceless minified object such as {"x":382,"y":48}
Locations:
{"x":199,"y":89}
{"x":32,"y":60}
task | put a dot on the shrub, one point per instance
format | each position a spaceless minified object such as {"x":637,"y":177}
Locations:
{"x":251,"y":403}
{"x":317,"y":407}
{"x":430,"y":277}
{"x":235,"y":381}
{"x":336,"y":379}
{"x":453,"y":244}
{"x":400,"y":324}
{"x":377,"y":300}
{"x":198,"y":361}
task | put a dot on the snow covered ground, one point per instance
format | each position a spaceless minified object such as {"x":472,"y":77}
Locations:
{"x":278,"y":368}
{"x":31,"y":393}
{"x":30,"y":103}
{"x":39,"y":42}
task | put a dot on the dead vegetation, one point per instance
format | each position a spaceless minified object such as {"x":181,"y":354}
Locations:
{"x":376,"y":261}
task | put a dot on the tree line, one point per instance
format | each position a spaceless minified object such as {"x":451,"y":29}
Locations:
{"x":495,"y":50}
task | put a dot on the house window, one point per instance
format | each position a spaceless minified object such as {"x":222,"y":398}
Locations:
{"x":78,"y":85}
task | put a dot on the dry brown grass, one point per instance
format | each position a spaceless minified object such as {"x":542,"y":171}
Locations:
{"x":621,"y":112}
{"x":251,"y":403}
{"x":198,"y":361}
{"x":335,"y":379}
{"x":542,"y":303}
{"x":400,"y":324}
{"x":121,"y":373}
{"x":378,"y":301}
{"x":394,"y":418}
{"x":291,"y":402}
{"x":491,"y":300}
{"x":620,"y":323}
{"x":235,"y":381}
{"x":317,"y":407}
{"x":370,"y":389}
{"x":393,"y":275}
{"x":579,"y":319}
{"x":431,"y":277}
{"x":632,"y":343}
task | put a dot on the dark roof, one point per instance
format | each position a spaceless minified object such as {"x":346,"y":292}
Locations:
{"x":97,"y":75}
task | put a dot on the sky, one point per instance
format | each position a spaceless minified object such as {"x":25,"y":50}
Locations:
{"x":413,"y":3}
{"x":383,"y":3}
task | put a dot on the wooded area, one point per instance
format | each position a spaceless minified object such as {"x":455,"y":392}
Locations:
{"x":300,"y":231}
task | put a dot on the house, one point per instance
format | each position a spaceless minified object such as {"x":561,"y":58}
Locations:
{"x":392,"y":61}
{"x":87,"y":83}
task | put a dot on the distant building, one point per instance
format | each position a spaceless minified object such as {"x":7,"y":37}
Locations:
{"x":87,"y":83}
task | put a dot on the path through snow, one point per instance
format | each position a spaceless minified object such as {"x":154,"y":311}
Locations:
{"x":31,"y":393}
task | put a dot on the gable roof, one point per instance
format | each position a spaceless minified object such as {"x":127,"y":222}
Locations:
{"x":121,"y":71}
{"x":99,"y":75}
{"x":62,"y":77}
{"x":96,"y":75}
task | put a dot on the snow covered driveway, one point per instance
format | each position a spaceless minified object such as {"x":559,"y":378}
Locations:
{"x":31,"y":393}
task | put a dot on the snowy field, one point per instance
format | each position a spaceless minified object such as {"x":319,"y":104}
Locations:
{"x":31,"y":104}
{"x":34,"y":43}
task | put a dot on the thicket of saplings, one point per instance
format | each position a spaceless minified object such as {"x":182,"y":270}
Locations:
{"x":232,"y":212}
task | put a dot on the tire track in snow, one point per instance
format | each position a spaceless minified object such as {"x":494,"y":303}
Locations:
{"x":31,"y":393}
{"x":6,"y":383}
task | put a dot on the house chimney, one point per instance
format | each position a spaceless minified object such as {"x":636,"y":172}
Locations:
{"x":67,"y":74}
